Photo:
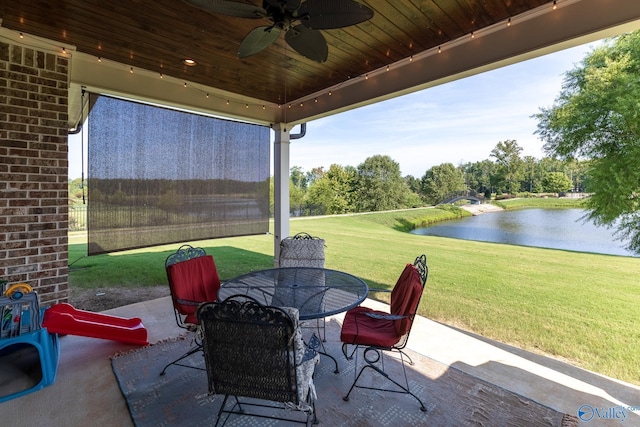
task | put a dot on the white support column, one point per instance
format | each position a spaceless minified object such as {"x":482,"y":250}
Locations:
{"x":280,"y":187}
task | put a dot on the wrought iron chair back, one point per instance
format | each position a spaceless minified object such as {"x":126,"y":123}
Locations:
{"x":256,"y":351}
{"x":304,"y":250}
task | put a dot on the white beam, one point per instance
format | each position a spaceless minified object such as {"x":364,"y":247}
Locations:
{"x":281,"y":187}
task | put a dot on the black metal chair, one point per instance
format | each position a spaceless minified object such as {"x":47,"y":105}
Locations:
{"x":377,"y":332}
{"x":193,"y":279}
{"x":255,"y":354}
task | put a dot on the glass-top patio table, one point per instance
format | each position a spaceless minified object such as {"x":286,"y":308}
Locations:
{"x":315,"y":292}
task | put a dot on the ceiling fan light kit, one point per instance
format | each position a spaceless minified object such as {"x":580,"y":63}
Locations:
{"x":301,"y":22}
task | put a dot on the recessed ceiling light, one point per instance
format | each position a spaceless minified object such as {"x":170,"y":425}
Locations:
{"x":188,"y":61}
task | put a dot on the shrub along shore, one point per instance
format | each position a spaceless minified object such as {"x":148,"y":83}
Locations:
{"x":580,"y":307}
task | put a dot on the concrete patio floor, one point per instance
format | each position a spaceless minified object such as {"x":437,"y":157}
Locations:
{"x":86,"y":392}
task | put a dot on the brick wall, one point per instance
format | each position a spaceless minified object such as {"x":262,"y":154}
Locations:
{"x":34,"y":170}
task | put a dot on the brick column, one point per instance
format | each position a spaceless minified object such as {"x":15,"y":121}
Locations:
{"x":34,"y":170}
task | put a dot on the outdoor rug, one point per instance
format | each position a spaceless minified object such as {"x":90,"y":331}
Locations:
{"x":452,"y":397}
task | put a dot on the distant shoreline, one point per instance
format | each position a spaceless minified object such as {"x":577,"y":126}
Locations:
{"x":479,"y":209}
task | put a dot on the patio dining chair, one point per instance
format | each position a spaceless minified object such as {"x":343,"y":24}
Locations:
{"x":255,"y":355}
{"x":304,"y":250}
{"x":377,"y":332}
{"x":193,"y":279}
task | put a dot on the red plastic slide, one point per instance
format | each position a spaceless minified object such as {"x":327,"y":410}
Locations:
{"x":67,"y":320}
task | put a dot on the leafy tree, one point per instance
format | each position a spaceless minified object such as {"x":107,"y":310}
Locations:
{"x":298,"y":178}
{"x":577,"y":172}
{"x":319,"y":196}
{"x":272,"y":204}
{"x":556,"y":182}
{"x":413,"y":183}
{"x":440,"y":182}
{"x":333,"y":191}
{"x":549,"y":164}
{"x":342,"y":181}
{"x":510,"y":165}
{"x":531,"y":174}
{"x":314,"y":174}
{"x":379,"y":185}
{"x":297,"y":188}
{"x":480,"y":176}
{"x":76,"y":190}
{"x":597,"y":117}
{"x":296,"y":196}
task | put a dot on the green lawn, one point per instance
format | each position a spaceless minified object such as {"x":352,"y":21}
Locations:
{"x":582,"y":307}
{"x":540,"y":202}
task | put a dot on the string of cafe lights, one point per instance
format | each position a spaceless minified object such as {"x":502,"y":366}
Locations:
{"x":473,"y":35}
{"x":200,"y":89}
{"x":316,"y":97}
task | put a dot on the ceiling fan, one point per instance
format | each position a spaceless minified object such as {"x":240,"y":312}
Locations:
{"x":299,"y":20}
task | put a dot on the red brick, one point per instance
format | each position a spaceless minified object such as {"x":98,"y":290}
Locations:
{"x":33,"y":169}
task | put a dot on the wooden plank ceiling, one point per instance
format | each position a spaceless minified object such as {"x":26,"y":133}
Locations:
{"x":156,"y":35}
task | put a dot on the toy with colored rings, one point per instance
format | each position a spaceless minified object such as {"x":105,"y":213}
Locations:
{"x":16,"y":291}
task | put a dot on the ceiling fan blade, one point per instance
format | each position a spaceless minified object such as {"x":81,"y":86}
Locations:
{"x":231,"y":8}
{"x":329,"y":14}
{"x":308,"y":43}
{"x":289,"y":5}
{"x":257,"y":40}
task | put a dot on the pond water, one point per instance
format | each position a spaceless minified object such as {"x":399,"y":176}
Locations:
{"x":545,"y":228}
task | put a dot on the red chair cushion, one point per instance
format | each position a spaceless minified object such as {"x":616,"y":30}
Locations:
{"x":195,"y":280}
{"x":405,"y":297}
{"x":360,"y":329}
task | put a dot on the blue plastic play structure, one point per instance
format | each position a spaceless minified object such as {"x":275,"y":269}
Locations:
{"x":21,"y":333}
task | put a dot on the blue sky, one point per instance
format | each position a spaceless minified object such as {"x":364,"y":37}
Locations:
{"x":457,"y":122}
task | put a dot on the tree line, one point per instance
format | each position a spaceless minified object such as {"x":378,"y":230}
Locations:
{"x":377,"y":184}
